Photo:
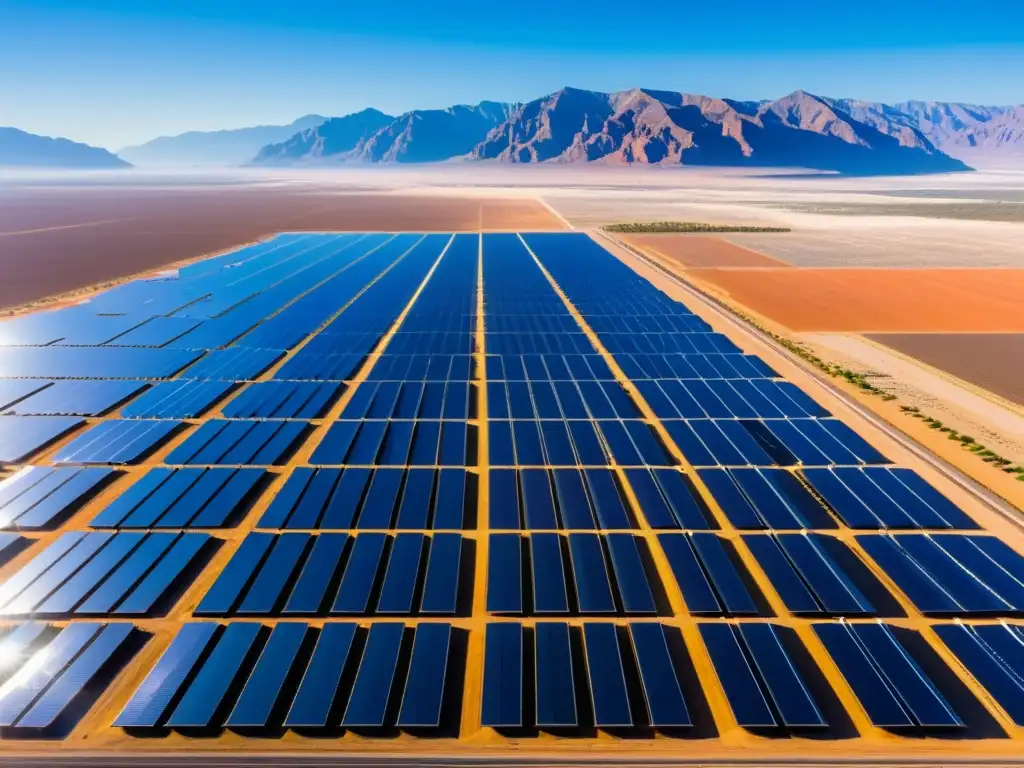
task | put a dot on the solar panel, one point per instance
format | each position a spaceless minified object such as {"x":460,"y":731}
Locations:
{"x":423,"y":698}
{"x":319,"y":687}
{"x":159,"y":690}
{"x":609,"y":696}
{"x":73,"y":684}
{"x":503,"y":676}
{"x":256,"y":701}
{"x":375,"y":678}
{"x":662,"y":692}
{"x":199,"y":705}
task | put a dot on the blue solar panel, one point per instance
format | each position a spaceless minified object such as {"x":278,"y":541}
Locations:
{"x":227,"y":590}
{"x":372,"y":687}
{"x":548,"y":574}
{"x":423,"y":697}
{"x":40,"y":498}
{"x":155,"y":695}
{"x":73,"y":684}
{"x":31,"y":681}
{"x":25,"y":435}
{"x":276,"y":571}
{"x":630,"y":575}
{"x":310,"y":590}
{"x":782,"y":682}
{"x":126,"y":576}
{"x":77,"y":398}
{"x":1001,"y":673}
{"x":201,"y":701}
{"x":441,"y":582}
{"x":396,"y":595}
{"x":256,"y":701}
{"x":360,"y":574}
{"x":176,"y":400}
{"x":319,"y":687}
{"x":504,"y":574}
{"x":609,"y":695}
{"x":160,"y":581}
{"x":118,"y":441}
{"x":662,"y":692}
{"x":503,"y":676}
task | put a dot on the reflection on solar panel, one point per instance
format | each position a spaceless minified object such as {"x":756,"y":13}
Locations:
{"x":39,"y":498}
{"x":119,"y":441}
{"x":60,"y":673}
{"x":20,"y":437}
{"x":85,"y":574}
{"x":479,"y":488}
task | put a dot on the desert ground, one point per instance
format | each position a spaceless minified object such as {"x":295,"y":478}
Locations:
{"x":991,"y":361}
{"x":878,"y":300}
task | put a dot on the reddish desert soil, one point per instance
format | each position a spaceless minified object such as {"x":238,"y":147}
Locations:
{"x":878,"y":300}
{"x":992,"y":361}
{"x":56,"y":240}
{"x":700,"y":251}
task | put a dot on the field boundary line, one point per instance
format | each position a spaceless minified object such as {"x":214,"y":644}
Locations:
{"x":556,"y":214}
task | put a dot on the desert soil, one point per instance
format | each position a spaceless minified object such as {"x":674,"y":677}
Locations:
{"x":878,"y":300}
{"x":992,"y":361}
{"x":698,"y":251}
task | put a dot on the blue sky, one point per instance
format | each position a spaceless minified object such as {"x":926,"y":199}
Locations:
{"x":119,"y":72}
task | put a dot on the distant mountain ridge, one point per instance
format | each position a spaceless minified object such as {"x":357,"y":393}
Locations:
{"x":650,"y":127}
{"x":421,"y":136}
{"x":228,"y":147}
{"x":27,"y":150}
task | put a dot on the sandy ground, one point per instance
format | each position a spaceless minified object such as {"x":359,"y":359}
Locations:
{"x":697,"y":251}
{"x":967,"y":409}
{"x":992,"y":361}
{"x":877,"y":300}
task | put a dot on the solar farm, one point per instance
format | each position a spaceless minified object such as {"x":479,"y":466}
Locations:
{"x":418,"y":493}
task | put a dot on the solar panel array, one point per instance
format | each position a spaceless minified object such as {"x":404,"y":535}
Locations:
{"x":431,"y":484}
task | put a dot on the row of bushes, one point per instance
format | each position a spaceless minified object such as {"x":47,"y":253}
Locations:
{"x":685,"y":226}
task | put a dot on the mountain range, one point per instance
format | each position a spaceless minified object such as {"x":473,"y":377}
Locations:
{"x":634,"y":127}
{"x":650,"y":127}
{"x":229,"y":147}
{"x":27,"y":150}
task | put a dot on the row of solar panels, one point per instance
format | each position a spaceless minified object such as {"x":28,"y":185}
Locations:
{"x":704,"y":443}
{"x":769,"y":442}
{"x":593,"y":367}
{"x":697,"y":399}
{"x":183,"y":498}
{"x":590,"y":574}
{"x":541,"y":322}
{"x":641,"y":675}
{"x":410,"y":400}
{"x":357,"y":498}
{"x":396,"y":443}
{"x":334,"y":573}
{"x":627,"y":343}
{"x":620,"y":678}
{"x":297,"y":677}
{"x":105,"y":574}
{"x":41,"y":498}
{"x":422,"y":499}
{"x":727,"y":399}
{"x":50,"y":676}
